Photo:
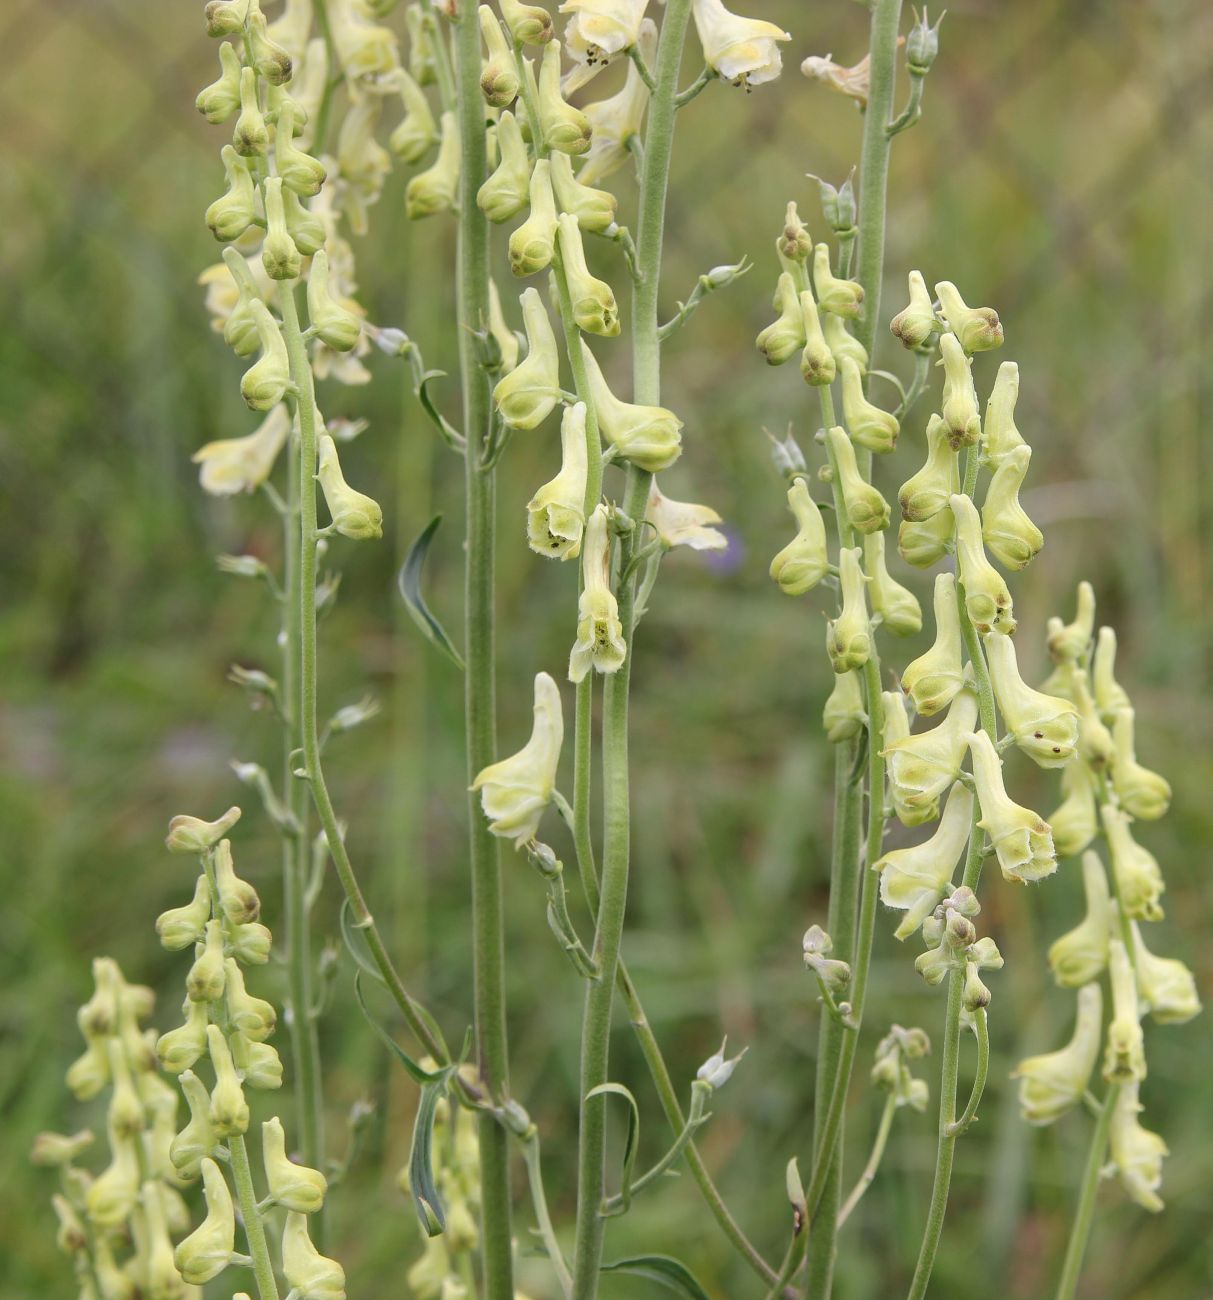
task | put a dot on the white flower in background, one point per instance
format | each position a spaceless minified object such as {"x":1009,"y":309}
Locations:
{"x":682,"y":523}
{"x":515,"y":791}
{"x":744,"y":51}
{"x":615,"y":120}
{"x":597,"y":31}
{"x":234,"y":465}
{"x":854,"y":82}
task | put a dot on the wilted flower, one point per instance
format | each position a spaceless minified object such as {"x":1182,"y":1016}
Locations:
{"x":854,"y":82}
{"x":1050,"y":1084}
{"x":683,"y":523}
{"x":717,"y":1070}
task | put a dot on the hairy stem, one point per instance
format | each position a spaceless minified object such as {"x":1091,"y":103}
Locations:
{"x":254,"y":1229}
{"x":1084,"y":1213}
{"x":868,"y":1176}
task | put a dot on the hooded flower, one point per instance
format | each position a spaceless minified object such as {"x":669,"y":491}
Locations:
{"x":987,"y":599}
{"x":556,"y":513}
{"x":1043,"y":726}
{"x":525,"y":397}
{"x":897,"y":605}
{"x":848,"y":637}
{"x":1013,"y":539}
{"x":293,"y":1186}
{"x":1110,"y":696}
{"x":1136,"y":1153}
{"x":682,"y":523}
{"x":206,"y":1252}
{"x":803,"y":562}
{"x":1139,"y":882}
{"x":1049,"y":1085}
{"x":854,"y":82}
{"x":1142,"y":793}
{"x":916,"y":324}
{"x":922,"y":766}
{"x":354,"y":514}
{"x":593,"y":300}
{"x":600,"y":642}
{"x":1167,"y":987}
{"x":870,"y":426}
{"x":915,"y":879}
{"x":977,"y":328}
{"x":1001,"y":435}
{"x":309,"y":1274}
{"x":744,"y":51}
{"x":844,"y":713}
{"x":648,"y":436}
{"x":1081,"y":954}
{"x":926,"y":493}
{"x":785,"y":335}
{"x":600,"y":29}
{"x":933,"y":679}
{"x":515,"y":791}
{"x":1022,"y":840}
{"x":615,"y":120}
{"x":866,"y":508}
{"x":1075,"y":820}
{"x":959,"y":409}
{"x":1124,"y":1054}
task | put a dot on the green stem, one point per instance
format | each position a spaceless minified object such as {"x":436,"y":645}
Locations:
{"x":1080,"y":1232}
{"x":869,"y":1172}
{"x":254,"y":1229}
{"x":646,"y":355}
{"x":543,"y":1220}
{"x":480,"y":649}
{"x":332,"y":76}
{"x":982,"y":1030}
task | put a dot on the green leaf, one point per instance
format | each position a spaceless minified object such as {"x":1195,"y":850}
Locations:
{"x":356,"y":945}
{"x":424,"y":1190}
{"x":418,"y":1072}
{"x":409,"y":582}
{"x":450,"y":435}
{"x":670,"y":1273}
{"x":630,"y":1147}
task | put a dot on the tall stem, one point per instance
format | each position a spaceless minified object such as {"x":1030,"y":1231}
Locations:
{"x":254,"y":1229}
{"x":480,"y":651}
{"x":1080,"y":1231}
{"x":646,"y":359}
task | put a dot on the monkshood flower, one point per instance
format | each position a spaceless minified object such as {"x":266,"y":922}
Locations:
{"x":526,"y":396}
{"x":206,"y":1252}
{"x":867,"y":509}
{"x":977,"y":328}
{"x":354,"y":514}
{"x":1139,"y":882}
{"x":916,"y":324}
{"x":1137,"y":1154}
{"x":855,"y":82}
{"x":744,"y":51}
{"x":594,"y":308}
{"x":848,"y":637}
{"x":265,"y":382}
{"x":897,"y":605}
{"x":1001,"y":435}
{"x":598,"y":30}
{"x":1167,"y":987}
{"x":499,"y":82}
{"x":1075,"y":820}
{"x":804,"y":561}
{"x":600,"y":644}
{"x":615,"y":120}
{"x":556,"y":513}
{"x":1013,"y":539}
{"x":923,"y":766}
{"x":785,"y":335}
{"x":1021,"y":838}
{"x":933,"y":679}
{"x":293,"y":1186}
{"x":1143,"y":794}
{"x":915,"y":879}
{"x":533,"y":244}
{"x":1110,"y":696}
{"x":1124,"y":1054}
{"x":309,"y":1274}
{"x":836,"y":296}
{"x":844,"y":713}
{"x":193,"y":835}
{"x":648,"y":436}
{"x":1043,"y":726}
{"x":1070,"y":641}
{"x":817,"y":362}
{"x":515,"y":791}
{"x":959,"y":409}
{"x":562,"y":126}
{"x":1081,"y":954}
{"x":417,"y":132}
{"x":1054,"y":1082}
{"x":683,"y":523}
{"x":434,"y":190}
{"x":594,"y":209}
{"x":926,"y":493}
{"x":817,"y":945}
{"x":987,"y":599}
{"x":870,"y":426}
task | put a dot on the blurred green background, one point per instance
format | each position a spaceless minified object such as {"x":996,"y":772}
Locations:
{"x":1063,"y":173}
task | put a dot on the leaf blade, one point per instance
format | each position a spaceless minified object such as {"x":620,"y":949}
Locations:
{"x":409,"y":583}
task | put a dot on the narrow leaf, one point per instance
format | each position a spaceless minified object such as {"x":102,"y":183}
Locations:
{"x":450,"y":435}
{"x":422,"y":1186}
{"x":418,"y":1072}
{"x":409,"y":581}
{"x":670,"y":1273}
{"x":356,"y":946}
{"x":630,"y":1147}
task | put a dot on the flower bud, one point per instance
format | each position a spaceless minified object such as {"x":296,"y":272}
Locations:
{"x":848,"y":637}
{"x":1124,"y":1052}
{"x":1001,"y":436}
{"x":417,"y":132}
{"x":896,"y":717}
{"x":987,"y":600}
{"x":1012,"y":537}
{"x":594,"y":308}
{"x":1136,"y":1153}
{"x":515,"y":791}
{"x":206,"y":1252}
{"x":1075,"y":822}
{"x":843,"y":345}
{"x":594,"y":209}
{"x":279,"y":255}
{"x":867,"y":510}
{"x":295,"y":1187}
{"x":959,"y":409}
{"x":204,"y":983}
{"x":933,"y":679}
{"x":744,"y":51}
{"x":1081,"y":954}
{"x":926,"y":493}
{"x":562,"y":126}
{"x":179,"y":1048}
{"x":111,"y":1196}
{"x":253,"y":1017}
{"x":556,"y":513}
{"x":436,"y":188}
{"x":230,"y":216}
{"x":841,"y":297}
{"x":354,"y":514}
{"x":197,"y":1139}
{"x":498,"y":76}
{"x":786,"y":334}
{"x":54,"y":1150}
{"x":922,"y":767}
{"x":218,"y":101}
{"x":716,"y":1071}
{"x":337,"y":327}
{"x":533,"y":244}
{"x":229,"y":1111}
{"x":265,"y":382}
{"x":977,"y":328}
{"x":817,"y":945}
{"x":600,"y":642}
{"x":1139,"y":882}
{"x":1143,"y":794}
{"x":237,"y":898}
{"x":844,"y":715}
{"x":1072,"y":640}
{"x":1095,"y":744}
{"x":1167,"y":987}
{"x":891,"y":1074}
{"x":804,"y":561}
{"x":916,"y":324}
{"x":251,"y":137}
{"x":1022,"y":840}
{"x":259,"y":1063}
{"x":869,"y":426}
{"x":975,"y":995}
{"x":525,"y":397}
{"x":181,"y":926}
{"x":299,"y":171}
{"x":683,"y":523}
{"x":527,"y":24}
{"x":1053,"y":1083}
{"x":269,"y":58}
{"x":240,"y":326}
{"x":308,"y":1273}
{"x":915,"y":879}
{"x":924,"y":544}
{"x":72,"y":1236}
{"x":896,"y":605}
{"x":794,"y":243}
{"x":922,"y":45}
{"x":817,"y":363}
{"x":1043,"y":726}
{"x":506,"y":192}
{"x":125,"y":1117}
{"x":160,"y":1278}
{"x":648,"y":436}
{"x":1110,"y":696}
{"x":250,"y":943}
{"x":226,"y":17}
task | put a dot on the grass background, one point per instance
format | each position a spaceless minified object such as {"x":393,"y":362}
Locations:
{"x":1061,"y":173}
